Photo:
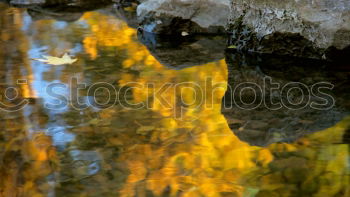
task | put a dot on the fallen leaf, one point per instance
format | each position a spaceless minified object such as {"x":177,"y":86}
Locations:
{"x":232,"y":47}
{"x":65,"y":59}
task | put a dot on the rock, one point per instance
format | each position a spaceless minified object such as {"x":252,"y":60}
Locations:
{"x":304,"y":28}
{"x":177,"y":16}
{"x":299,"y":28}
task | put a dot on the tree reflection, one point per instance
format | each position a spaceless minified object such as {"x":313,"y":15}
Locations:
{"x":149,"y":151}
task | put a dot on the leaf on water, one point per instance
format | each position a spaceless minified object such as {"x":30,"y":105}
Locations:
{"x":232,"y":47}
{"x":65,"y":59}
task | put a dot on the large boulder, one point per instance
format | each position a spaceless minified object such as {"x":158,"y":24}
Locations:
{"x":298,"y":27}
{"x":315,"y":29}
{"x":190,"y":16}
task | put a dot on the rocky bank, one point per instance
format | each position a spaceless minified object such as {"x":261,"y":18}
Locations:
{"x":306,"y":28}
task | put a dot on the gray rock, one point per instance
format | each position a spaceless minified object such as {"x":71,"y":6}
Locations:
{"x":176,"y":16}
{"x":324,"y":22}
{"x":304,"y":28}
{"x":293,"y":27}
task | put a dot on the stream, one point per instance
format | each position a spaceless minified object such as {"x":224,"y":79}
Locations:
{"x":139,"y":115}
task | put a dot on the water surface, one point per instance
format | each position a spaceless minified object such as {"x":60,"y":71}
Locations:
{"x":186,"y":149}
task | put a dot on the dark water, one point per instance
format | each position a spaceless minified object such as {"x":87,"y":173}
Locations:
{"x":182,"y":149}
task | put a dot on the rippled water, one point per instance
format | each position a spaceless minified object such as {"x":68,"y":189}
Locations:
{"x":181,"y":150}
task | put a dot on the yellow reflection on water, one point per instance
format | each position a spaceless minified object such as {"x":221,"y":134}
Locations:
{"x":199,"y":154}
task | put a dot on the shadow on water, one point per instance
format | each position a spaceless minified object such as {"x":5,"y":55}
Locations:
{"x":150,"y":151}
{"x":272,"y":114}
{"x":184,"y":51}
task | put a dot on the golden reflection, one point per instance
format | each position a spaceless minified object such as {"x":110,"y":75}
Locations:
{"x":199,"y":154}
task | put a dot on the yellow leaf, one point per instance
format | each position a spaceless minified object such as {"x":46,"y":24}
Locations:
{"x":65,"y":59}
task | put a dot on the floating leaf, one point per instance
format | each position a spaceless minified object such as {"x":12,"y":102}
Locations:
{"x":232,"y":47}
{"x":65,"y":59}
